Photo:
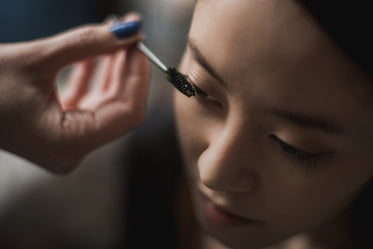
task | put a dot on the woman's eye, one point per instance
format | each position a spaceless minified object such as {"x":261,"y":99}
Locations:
{"x":295,"y":153}
{"x":203,"y":96}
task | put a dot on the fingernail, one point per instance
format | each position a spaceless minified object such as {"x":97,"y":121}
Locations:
{"x":125,"y":29}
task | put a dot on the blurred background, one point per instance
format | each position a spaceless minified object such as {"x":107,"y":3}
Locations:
{"x":84,"y":209}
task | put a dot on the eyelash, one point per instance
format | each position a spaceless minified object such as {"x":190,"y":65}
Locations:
{"x":310,"y":159}
{"x":200,"y":92}
{"x":203,"y":96}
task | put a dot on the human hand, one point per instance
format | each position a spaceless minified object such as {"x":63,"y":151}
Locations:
{"x":56,"y":132}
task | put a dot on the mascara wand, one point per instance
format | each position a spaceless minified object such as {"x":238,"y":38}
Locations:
{"x":177,"y":79}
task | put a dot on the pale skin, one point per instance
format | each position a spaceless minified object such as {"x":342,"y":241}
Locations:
{"x":281,"y":88}
{"x":56,"y":131}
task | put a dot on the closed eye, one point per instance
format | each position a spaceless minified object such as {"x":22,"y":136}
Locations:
{"x":204,"y":97}
{"x":298,"y":154}
{"x":203,"y":94}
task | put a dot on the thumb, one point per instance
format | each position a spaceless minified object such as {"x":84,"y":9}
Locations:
{"x":85,"y":42}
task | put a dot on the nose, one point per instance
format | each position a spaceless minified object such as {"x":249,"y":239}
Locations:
{"x":226,"y":163}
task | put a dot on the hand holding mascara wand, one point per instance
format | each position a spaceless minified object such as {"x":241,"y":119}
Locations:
{"x":67,"y":125}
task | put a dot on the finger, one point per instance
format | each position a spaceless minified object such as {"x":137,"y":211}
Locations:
{"x":103,"y":78}
{"x":137,"y":79}
{"x":104,"y":75}
{"x":109,"y":82}
{"x":85,"y":42}
{"x":78,"y":84}
{"x":117,"y":73}
{"x":131,"y":16}
{"x":117,"y":117}
{"x":100,"y":94}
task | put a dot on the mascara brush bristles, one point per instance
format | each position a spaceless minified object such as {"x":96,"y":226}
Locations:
{"x":179,"y":81}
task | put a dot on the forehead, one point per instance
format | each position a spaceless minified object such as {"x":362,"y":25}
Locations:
{"x":255,"y":32}
{"x":275,"y":50}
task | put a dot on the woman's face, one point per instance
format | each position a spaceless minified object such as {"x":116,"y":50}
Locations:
{"x":279,"y":136}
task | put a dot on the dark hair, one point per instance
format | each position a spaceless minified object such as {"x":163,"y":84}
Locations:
{"x":349,"y":24}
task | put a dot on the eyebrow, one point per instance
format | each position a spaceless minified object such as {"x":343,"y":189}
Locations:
{"x":309,"y":122}
{"x":197,"y":55}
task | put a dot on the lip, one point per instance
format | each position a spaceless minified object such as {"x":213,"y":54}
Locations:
{"x":221,"y":216}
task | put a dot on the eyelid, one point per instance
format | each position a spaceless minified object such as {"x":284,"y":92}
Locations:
{"x":301,"y":152}
{"x":209,"y":98}
{"x":201,"y":95}
{"x":198,"y":77}
{"x":201,"y":81}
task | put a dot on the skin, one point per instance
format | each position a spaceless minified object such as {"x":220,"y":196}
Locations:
{"x":272,"y":55}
